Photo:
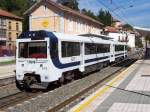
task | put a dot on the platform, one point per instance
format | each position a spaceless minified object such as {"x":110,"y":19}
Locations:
{"x":128,"y":92}
{"x":7,"y":71}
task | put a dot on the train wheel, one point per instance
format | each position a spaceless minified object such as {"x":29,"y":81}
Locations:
{"x":27,"y":82}
{"x":69,"y":76}
{"x":19,"y":86}
{"x":62,"y":80}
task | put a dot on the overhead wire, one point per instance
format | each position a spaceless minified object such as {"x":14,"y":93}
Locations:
{"x":122,"y":9}
{"x":122,"y":18}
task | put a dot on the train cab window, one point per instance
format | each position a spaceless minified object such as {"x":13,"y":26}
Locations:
{"x":69,"y":49}
{"x":32,"y":50}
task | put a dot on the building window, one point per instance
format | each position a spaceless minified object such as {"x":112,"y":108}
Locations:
{"x":9,"y":46}
{"x":9,"y":25}
{"x":17,"y":35}
{"x":2,"y":22}
{"x":2,"y":43}
{"x":70,"y":24}
{"x":78,"y":25}
{"x":9,"y":35}
{"x":2,"y":33}
{"x":45,"y":7}
{"x":10,"y":39}
{"x":17,"y":26}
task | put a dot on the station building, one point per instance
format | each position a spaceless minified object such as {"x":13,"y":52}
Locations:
{"x":10,"y":28}
{"x":51,"y":16}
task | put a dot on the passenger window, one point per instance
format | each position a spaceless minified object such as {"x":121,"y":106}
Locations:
{"x":69,"y":49}
{"x":90,"y":48}
{"x":119,"y":47}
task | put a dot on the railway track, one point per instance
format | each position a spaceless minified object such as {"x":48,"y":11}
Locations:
{"x":7,"y":81}
{"x":16,"y":98}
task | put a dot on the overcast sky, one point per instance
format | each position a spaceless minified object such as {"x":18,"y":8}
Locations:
{"x":134,"y":12}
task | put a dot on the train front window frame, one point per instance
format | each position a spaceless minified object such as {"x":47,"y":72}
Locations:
{"x":36,"y":50}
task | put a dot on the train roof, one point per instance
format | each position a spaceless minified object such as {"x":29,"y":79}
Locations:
{"x":104,"y":37}
{"x":37,"y":35}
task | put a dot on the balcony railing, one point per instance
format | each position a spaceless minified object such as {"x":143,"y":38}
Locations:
{"x":3,"y":27}
{"x":3,"y":38}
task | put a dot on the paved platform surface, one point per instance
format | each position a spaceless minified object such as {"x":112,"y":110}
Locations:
{"x":128,"y":92}
{"x":7,"y":71}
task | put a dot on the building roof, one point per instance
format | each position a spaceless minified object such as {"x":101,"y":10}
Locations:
{"x":63,"y":8}
{"x":111,"y":29}
{"x":4,"y":13}
{"x":104,"y":37}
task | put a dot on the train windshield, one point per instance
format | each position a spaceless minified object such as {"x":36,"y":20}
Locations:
{"x":32,"y":50}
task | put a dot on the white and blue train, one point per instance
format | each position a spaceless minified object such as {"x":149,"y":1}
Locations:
{"x":44,"y":57}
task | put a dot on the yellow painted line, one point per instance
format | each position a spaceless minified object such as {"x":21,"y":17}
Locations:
{"x":104,"y":89}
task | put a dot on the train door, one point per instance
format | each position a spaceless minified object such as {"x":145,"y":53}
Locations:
{"x":82,"y":68}
{"x":124,"y":51}
{"x":112,"y":52}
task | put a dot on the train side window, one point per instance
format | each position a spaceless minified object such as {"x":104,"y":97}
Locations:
{"x":90,"y":48}
{"x":119,"y":47}
{"x":69,"y":49}
{"x":103,"y":48}
{"x":126,"y":47}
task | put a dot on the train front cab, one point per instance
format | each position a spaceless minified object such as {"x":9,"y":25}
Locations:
{"x":32,"y":63}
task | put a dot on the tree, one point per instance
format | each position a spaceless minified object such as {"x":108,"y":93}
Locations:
{"x":89,"y":13}
{"x":105,"y":17}
{"x":138,"y":42}
{"x":73,"y":4}
{"x":127,"y":27}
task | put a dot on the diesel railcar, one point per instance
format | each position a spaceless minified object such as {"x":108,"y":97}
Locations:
{"x":44,"y":57}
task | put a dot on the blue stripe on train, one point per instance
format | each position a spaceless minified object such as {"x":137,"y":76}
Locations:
{"x":96,"y":59}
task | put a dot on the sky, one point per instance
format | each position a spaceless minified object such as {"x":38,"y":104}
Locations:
{"x":133,"y":12}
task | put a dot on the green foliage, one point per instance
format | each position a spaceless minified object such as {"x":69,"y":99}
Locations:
{"x":138,"y":42}
{"x":127,"y":27}
{"x":73,"y":4}
{"x":105,"y":17}
{"x":89,"y":13}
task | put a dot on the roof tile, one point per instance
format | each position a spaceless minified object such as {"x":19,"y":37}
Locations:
{"x":8,"y":14}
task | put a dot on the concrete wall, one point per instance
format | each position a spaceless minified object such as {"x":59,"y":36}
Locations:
{"x":5,"y":59}
{"x":53,"y":19}
{"x":122,"y":37}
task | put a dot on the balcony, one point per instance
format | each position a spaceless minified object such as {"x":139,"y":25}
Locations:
{"x":3,"y":27}
{"x":3,"y":38}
